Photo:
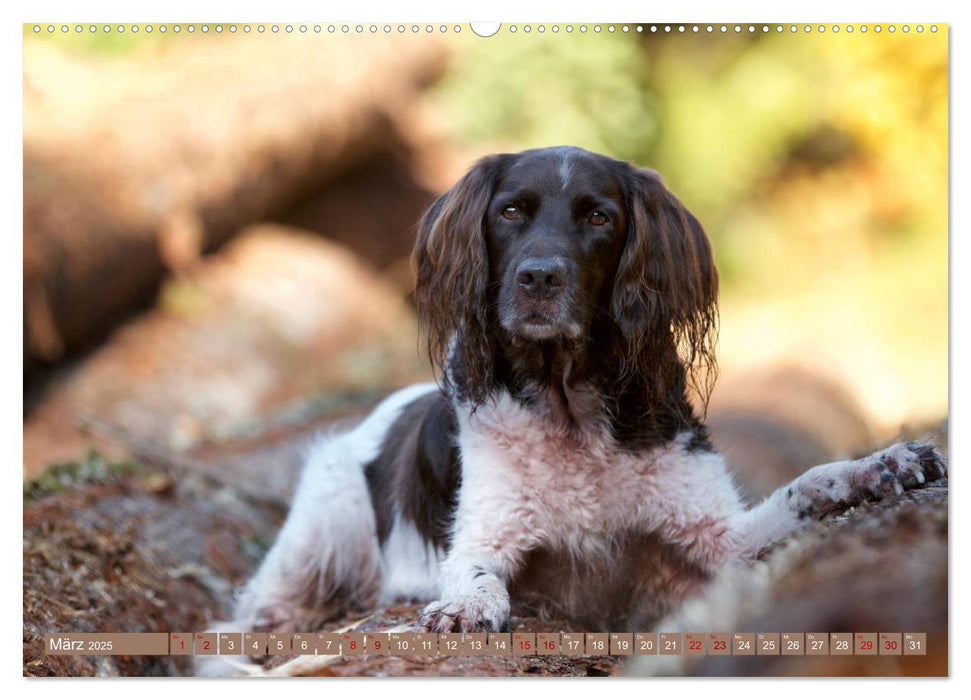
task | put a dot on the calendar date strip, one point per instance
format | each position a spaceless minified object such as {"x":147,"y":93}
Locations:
{"x":489,"y":644}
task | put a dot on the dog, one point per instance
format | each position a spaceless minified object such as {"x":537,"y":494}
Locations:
{"x":560,"y":466}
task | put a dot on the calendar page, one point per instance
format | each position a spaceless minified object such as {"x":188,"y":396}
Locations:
{"x":516,"y":349}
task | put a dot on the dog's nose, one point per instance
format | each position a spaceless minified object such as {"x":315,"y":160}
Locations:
{"x":541,"y":276}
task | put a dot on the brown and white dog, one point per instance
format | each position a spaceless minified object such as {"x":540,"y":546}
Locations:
{"x":561,"y":467}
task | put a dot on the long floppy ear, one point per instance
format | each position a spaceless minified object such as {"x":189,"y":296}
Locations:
{"x":451,"y":277}
{"x":666,"y":289}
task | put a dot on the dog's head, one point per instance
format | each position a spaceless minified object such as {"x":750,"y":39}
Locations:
{"x":554,"y":246}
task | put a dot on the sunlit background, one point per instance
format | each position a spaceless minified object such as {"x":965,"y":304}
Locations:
{"x":816,"y":161}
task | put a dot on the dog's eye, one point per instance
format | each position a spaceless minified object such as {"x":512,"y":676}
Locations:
{"x":598,"y":218}
{"x":511,"y":213}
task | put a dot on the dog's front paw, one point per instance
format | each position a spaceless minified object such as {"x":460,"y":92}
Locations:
{"x":485,"y":610}
{"x":886,"y":473}
{"x":904,"y":466}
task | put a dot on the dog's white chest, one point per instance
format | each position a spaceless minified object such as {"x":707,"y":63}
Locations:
{"x":565,"y":486}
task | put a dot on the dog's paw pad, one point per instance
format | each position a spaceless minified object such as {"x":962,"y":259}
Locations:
{"x":932,"y":465}
{"x":892,"y":471}
{"x":883,"y":474}
{"x":906,"y":466}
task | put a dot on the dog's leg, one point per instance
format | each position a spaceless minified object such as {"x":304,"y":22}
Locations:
{"x":324,"y":559}
{"x":833,"y":486}
{"x":326,"y":556}
{"x":474,"y":595}
{"x":491,"y":535}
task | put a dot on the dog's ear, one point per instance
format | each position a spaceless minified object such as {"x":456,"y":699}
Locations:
{"x":666,"y":289}
{"x":451,"y":276}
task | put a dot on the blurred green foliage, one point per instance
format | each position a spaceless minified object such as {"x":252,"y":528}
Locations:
{"x":110,"y":43}
{"x":93,"y":468}
{"x":537,"y":91}
{"x":728,"y":120}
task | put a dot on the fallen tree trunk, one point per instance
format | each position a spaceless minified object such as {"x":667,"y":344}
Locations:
{"x":136,"y":166}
